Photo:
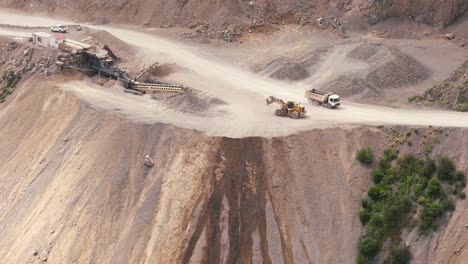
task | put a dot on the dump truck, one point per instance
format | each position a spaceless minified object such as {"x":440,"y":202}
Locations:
{"x":289,"y":108}
{"x":318,"y":97}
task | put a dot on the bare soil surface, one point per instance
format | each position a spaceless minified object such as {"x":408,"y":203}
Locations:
{"x":231,"y":182}
{"x":208,"y":69}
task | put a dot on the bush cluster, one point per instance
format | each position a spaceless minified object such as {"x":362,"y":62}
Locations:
{"x":365,"y":156}
{"x":406,"y":192}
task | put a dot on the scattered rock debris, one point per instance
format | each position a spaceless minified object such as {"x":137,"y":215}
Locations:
{"x":332,"y":23}
{"x":231,"y":33}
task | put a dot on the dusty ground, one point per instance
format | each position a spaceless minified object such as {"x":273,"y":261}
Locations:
{"x":76,"y":190}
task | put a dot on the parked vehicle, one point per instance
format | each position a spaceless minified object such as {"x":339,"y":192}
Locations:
{"x":318,"y":97}
{"x":59,"y":28}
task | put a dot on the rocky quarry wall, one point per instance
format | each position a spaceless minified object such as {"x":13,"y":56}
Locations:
{"x":222,"y":13}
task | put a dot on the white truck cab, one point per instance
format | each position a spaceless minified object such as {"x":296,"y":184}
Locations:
{"x":318,"y":97}
{"x":334,"y":100}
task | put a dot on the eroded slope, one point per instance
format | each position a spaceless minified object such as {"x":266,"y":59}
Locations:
{"x":74,"y":187}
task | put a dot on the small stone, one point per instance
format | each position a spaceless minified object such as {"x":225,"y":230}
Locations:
{"x":52,"y":231}
{"x":44,"y":256}
{"x":461,"y":45}
{"x":251,"y":3}
{"x":427,"y":33}
{"x":449,"y":36}
{"x":466,"y":225}
{"x":35,"y":253}
{"x":149,"y":162}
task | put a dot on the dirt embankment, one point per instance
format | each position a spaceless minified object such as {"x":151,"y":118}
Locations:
{"x":78,"y":190}
{"x":451,"y":93}
{"x":254,"y":14}
{"x":433,"y":12}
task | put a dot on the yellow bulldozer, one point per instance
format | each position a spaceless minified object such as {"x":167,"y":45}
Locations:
{"x":289,"y":108}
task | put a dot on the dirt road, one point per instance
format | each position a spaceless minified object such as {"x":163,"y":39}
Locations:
{"x":244,"y":113}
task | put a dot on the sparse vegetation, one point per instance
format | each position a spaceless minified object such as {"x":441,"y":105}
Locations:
{"x":408,"y":193}
{"x":461,"y":107}
{"x":399,"y":255}
{"x":9,"y":81}
{"x":415,"y":98}
{"x":365,"y":156}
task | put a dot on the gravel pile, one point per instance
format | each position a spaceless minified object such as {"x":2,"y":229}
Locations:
{"x":395,"y":69}
{"x":365,"y":51}
{"x":350,"y":84}
{"x":290,"y":71}
{"x":390,"y":67}
{"x":189,"y":102}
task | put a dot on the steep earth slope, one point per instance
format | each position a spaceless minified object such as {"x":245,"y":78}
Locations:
{"x":451,"y":93}
{"x":221,"y":12}
{"x":74,"y":188}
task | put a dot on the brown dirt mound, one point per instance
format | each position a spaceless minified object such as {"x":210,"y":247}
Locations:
{"x":121,"y":49}
{"x":191,"y":101}
{"x":164,"y":70}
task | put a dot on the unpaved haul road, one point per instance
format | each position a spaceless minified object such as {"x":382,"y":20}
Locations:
{"x":245,"y":113}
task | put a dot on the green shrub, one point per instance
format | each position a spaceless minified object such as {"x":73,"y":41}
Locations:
{"x":415,"y":98}
{"x":363,"y":260}
{"x":446,"y":168}
{"x":390,"y":154}
{"x":365,"y":203}
{"x":365,"y":156}
{"x":462,"y":195}
{"x":447,"y":204}
{"x":407,"y":165}
{"x":425,"y":168}
{"x":460,"y":176}
{"x":428,"y":216}
{"x":364,"y":216}
{"x":376,"y":226}
{"x":399,"y":255}
{"x":434,"y":188}
{"x":368,"y":247}
{"x":461,"y":107}
{"x":378,"y":192}
{"x":377,"y":176}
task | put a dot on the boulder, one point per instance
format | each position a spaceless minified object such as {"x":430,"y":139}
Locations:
{"x":449,"y":36}
{"x":149,"y":162}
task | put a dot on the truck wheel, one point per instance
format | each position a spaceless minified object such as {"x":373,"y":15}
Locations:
{"x":295,"y":115}
{"x":279,"y":112}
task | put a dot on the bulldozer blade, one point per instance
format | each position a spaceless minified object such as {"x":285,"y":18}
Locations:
{"x":270,"y":100}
